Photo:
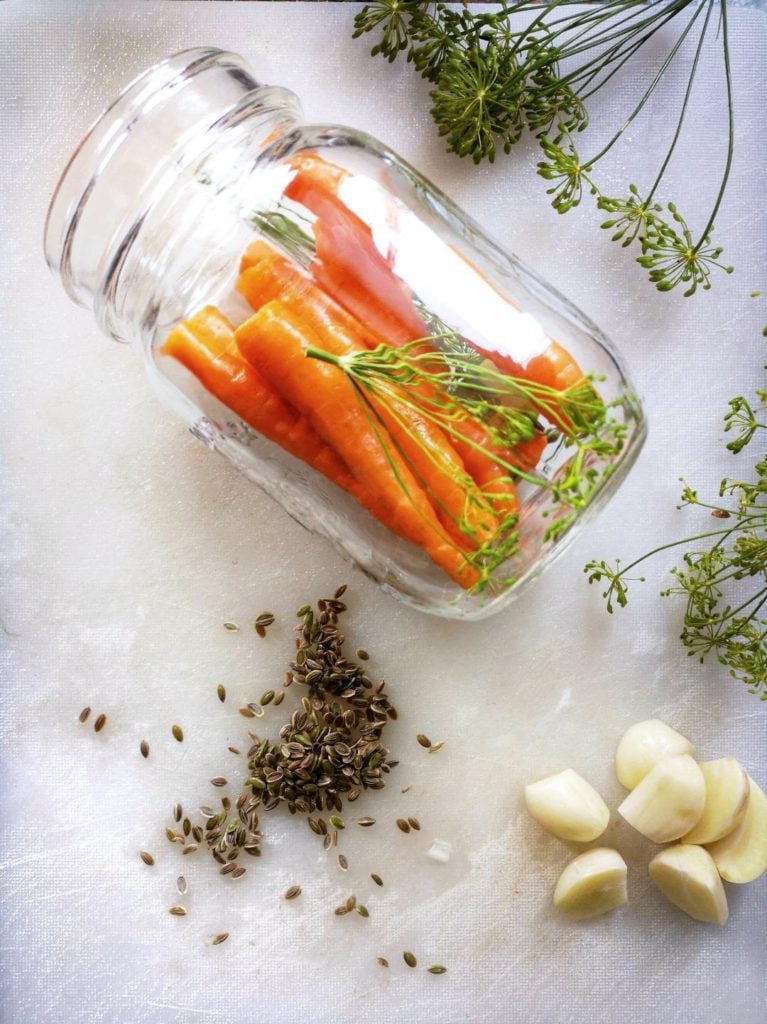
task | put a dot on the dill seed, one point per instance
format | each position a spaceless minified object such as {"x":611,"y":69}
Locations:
{"x":181,"y":885}
{"x":177,"y":911}
{"x":260,"y":630}
{"x":170,"y":835}
{"x":147,"y":858}
{"x":363,"y":911}
{"x":303,"y":610}
{"x":436,"y":746}
{"x":336,"y":821}
{"x":351,"y":903}
{"x":177,"y":812}
{"x":343,"y":863}
{"x":279,"y":698}
{"x":190,"y":848}
{"x":362,"y":654}
{"x":340,"y":591}
{"x":100,"y":722}
{"x":414,"y":823}
{"x":247,"y":713}
{"x":383,"y":961}
{"x":409,"y":959}
{"x":327,"y":842}
{"x":402,"y":825}
{"x":234,"y":750}
{"x":221,"y":691}
{"x":219,"y":780}
{"x":377,"y":879}
{"x":292,"y":892}
{"x":186,"y":827}
{"x":206,"y":812}
{"x":227,"y":869}
{"x":423,"y":740}
{"x":144,"y":748}
{"x":239,"y":872}
{"x":366,"y":822}
{"x":178,"y":733}
{"x":83,"y":716}
{"x":231,"y":627}
{"x":340,"y":911}
{"x":266,"y":698}
{"x":221,"y":937}
{"x":406,"y":789}
{"x":437,"y":969}
{"x":257,"y":710}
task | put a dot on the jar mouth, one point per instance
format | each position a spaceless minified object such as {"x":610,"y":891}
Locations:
{"x":141,"y":132}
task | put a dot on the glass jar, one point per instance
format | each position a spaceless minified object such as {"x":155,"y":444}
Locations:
{"x":347,"y":336}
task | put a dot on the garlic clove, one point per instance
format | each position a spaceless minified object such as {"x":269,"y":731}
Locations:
{"x":592,"y":884}
{"x":742,"y":855}
{"x":687,"y":877}
{"x":643,"y":746}
{"x":568,"y":806}
{"x":668,"y":801}
{"x":726,"y":801}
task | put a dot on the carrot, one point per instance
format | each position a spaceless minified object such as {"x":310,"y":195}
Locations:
{"x":205,"y":345}
{"x":255,"y":252}
{"x":461,"y":507}
{"x":275,"y":340}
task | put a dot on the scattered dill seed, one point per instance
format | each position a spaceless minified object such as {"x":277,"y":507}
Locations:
{"x":100,"y":722}
{"x":231,"y":627}
{"x":340,"y":911}
{"x":409,"y":959}
{"x":170,"y":835}
{"x":84,"y":714}
{"x":366,"y":822}
{"x":177,"y":812}
{"x":234,"y":750}
{"x":340,"y":591}
{"x":327,"y":842}
{"x":144,"y":748}
{"x":239,"y":872}
{"x":247,"y":713}
{"x":257,"y":710}
{"x":363,"y":911}
{"x":303,"y":610}
{"x":190,"y":848}
{"x":181,"y":885}
{"x":279,"y":698}
{"x":403,"y":825}
{"x":178,"y":733}
{"x":186,"y":827}
{"x":227,"y":869}
{"x":292,"y":892}
{"x":219,"y":780}
{"x":218,"y":939}
{"x":266,"y":698}
{"x":436,"y":746}
{"x":383,"y":961}
{"x":147,"y":858}
{"x":177,"y":911}
{"x":437,"y":969}
{"x":377,"y":879}
{"x":336,"y":821}
{"x":260,"y":630}
{"x":406,"y":789}
{"x":414,"y":823}
{"x":423,"y":740}
{"x":221,"y":691}
{"x":343,"y":863}
{"x":362,"y":654}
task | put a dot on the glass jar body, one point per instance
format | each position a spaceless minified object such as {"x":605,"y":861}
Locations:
{"x":328,"y":320}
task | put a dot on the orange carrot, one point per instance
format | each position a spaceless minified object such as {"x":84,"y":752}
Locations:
{"x":255,"y":252}
{"x":459,"y":504}
{"x":206,"y":346}
{"x":275,"y":340}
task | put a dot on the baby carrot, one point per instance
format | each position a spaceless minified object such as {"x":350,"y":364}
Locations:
{"x":275,"y":340}
{"x":459,"y":504}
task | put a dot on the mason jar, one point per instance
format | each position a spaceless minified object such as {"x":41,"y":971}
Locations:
{"x":348,"y":337}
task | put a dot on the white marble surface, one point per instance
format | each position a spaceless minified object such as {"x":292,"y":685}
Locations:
{"x":126,"y":544}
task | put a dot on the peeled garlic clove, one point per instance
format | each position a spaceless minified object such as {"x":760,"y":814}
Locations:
{"x":568,"y":806}
{"x":668,"y":801}
{"x":643,"y":746}
{"x":687,"y":877}
{"x":592,"y":884}
{"x":726,"y":801}
{"x":742,"y":855}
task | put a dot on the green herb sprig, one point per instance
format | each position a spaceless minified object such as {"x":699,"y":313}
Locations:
{"x":719,"y":617}
{"x":493,"y":79}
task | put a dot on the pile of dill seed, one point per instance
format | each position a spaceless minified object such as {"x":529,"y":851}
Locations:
{"x":328,"y":752}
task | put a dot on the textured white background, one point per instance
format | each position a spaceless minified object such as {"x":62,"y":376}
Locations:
{"x":126,"y":545}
